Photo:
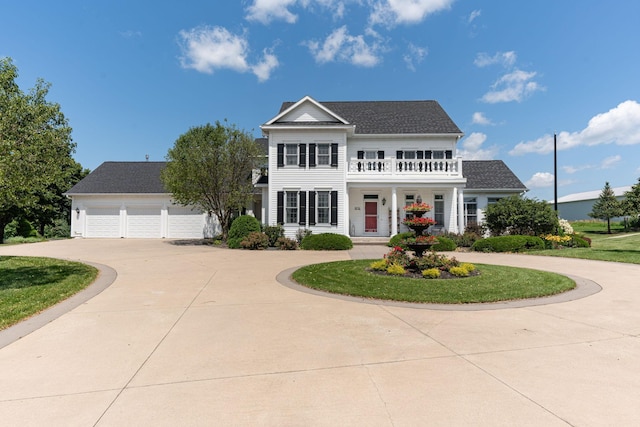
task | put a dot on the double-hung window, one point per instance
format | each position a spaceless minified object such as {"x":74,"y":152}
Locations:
{"x":438,"y":209}
{"x":291,"y":207}
{"x":471,"y":210}
{"x":291,"y":154}
{"x":323,"y":207}
{"x":323,"y":157}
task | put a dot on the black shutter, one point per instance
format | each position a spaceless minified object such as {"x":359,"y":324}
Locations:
{"x":312,"y":208}
{"x":334,"y":155}
{"x":428,"y":154}
{"x":280,"y":206}
{"x":448,"y":154}
{"x":280,"y":155}
{"x":302,"y":148}
{"x":419,"y":155}
{"x":334,"y":208}
{"x":360,"y":155}
{"x":302,"y":214}
{"x":399,"y":154}
{"x":380,"y":155}
{"x":312,"y":155}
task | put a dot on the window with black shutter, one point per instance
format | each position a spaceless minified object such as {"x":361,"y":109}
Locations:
{"x":312,"y":208}
{"x":302,"y":149}
{"x":312,"y":155}
{"x":302,"y":216}
{"x":280,"y":155}
{"x":334,"y":155}
{"x":280,"y":207}
{"x":334,"y":208}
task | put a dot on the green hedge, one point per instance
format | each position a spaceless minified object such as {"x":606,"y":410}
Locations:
{"x":241,"y":228}
{"x":326,"y":242}
{"x":508,"y":244}
{"x":398,"y":238}
{"x":444,"y":244}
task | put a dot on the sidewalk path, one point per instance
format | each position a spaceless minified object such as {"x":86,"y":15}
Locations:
{"x":194,"y":335}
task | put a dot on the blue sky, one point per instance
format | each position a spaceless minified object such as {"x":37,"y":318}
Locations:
{"x":131,"y":76}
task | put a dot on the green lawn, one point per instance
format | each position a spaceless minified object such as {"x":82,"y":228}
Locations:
{"x":496,"y":283}
{"x":29,"y":285}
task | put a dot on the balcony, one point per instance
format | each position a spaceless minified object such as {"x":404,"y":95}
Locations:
{"x":390,"y":169}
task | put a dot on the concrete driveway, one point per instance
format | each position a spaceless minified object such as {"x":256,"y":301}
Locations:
{"x":194,"y":335}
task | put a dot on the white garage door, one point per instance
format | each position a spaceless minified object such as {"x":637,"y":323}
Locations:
{"x":103,"y":222}
{"x":185,"y":223}
{"x":144,"y":222}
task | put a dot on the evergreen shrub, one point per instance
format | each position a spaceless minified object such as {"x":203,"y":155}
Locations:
{"x":508,"y":244}
{"x":326,"y":242}
{"x":240,"y":228}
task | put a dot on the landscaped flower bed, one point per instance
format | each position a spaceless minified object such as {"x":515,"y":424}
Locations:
{"x":429,"y":266}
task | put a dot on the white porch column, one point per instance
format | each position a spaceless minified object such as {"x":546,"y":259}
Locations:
{"x":265,"y":205}
{"x":347,"y":219}
{"x":461,"y":211}
{"x":394,"y":211}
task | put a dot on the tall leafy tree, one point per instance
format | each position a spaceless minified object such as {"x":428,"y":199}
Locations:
{"x":35,"y":144}
{"x":211,"y":167}
{"x":518,"y":215}
{"x":607,"y":206}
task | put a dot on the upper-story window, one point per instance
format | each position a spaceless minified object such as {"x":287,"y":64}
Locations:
{"x":291,"y":154}
{"x":323,"y":156}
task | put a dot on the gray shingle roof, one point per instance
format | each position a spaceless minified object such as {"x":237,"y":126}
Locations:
{"x":392,"y":117}
{"x":122,"y":178}
{"x":490,"y":174}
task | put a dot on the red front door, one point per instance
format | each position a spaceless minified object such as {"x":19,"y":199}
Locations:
{"x":371,"y":217}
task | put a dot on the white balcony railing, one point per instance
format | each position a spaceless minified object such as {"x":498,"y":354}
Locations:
{"x":391,"y":167}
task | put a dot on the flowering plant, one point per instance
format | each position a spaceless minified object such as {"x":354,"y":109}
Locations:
{"x":417,"y":207}
{"x":419,"y":222}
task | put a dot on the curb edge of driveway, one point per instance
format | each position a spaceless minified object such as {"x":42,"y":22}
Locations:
{"x":106,"y":276}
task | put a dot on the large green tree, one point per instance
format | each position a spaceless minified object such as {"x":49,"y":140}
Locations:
{"x":35,"y":144}
{"x":607,"y":206}
{"x":518,"y":215}
{"x":211,"y":167}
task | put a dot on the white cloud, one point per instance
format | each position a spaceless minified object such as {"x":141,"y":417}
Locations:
{"x":514,"y":86}
{"x":341,"y":46}
{"x":620,"y":126}
{"x":206,"y":49}
{"x":610,"y":162}
{"x":480,"y":119}
{"x":396,"y":12}
{"x":265,"y":11}
{"x":573,"y":169}
{"x":472,"y":148}
{"x":506,"y":59}
{"x":472,"y":17}
{"x":415,"y":55}
{"x":540,"y":180}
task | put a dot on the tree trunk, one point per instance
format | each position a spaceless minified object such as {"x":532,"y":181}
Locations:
{"x":3,"y":224}
{"x":609,"y":225}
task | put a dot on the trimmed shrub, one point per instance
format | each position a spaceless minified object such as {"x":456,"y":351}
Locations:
{"x":287,"y":244}
{"x":396,"y":270}
{"x":255,"y":240}
{"x":435,"y":260}
{"x":459,"y":271}
{"x":431,"y":273}
{"x":379,"y":265}
{"x":508,"y":244}
{"x":240,"y":228}
{"x":326,"y":242}
{"x":398,"y":239}
{"x":273,"y":232}
{"x":444,"y":244}
{"x":580,"y":241}
{"x":468,"y":266}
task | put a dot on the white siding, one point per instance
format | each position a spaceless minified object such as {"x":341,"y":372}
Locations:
{"x":307,"y":112}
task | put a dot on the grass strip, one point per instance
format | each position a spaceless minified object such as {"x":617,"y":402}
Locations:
{"x":495,"y":283}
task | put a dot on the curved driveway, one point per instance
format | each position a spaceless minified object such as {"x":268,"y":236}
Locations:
{"x":195,"y":335}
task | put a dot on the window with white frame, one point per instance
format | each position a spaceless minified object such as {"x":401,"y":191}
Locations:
{"x":438,"y":209}
{"x":493,"y":200}
{"x":323,"y":156}
{"x":370,"y":155}
{"x":291,"y":207}
{"x":470,"y":210}
{"x":323,"y":208}
{"x":291,"y":154}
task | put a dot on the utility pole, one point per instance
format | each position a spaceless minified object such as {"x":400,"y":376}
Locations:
{"x":555,"y":174}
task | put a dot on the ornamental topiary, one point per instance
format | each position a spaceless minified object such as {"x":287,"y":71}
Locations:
{"x":508,"y":244}
{"x":326,"y":242}
{"x":240,"y":228}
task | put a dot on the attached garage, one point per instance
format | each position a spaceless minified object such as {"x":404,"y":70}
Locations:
{"x":128,"y":199}
{"x":102,"y":222}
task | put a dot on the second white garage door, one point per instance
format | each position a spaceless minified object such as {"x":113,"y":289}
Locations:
{"x":185,"y":223}
{"x":144,"y":222}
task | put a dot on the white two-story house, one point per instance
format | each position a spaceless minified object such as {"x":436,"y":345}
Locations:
{"x":350,"y":167}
